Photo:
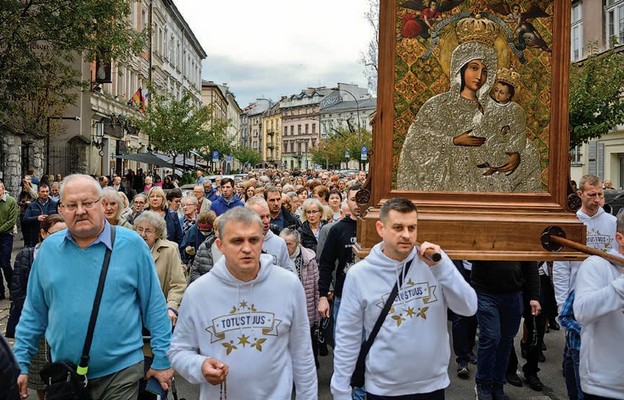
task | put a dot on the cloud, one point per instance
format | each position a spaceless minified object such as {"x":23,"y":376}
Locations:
{"x":279,"y":47}
{"x":273,"y":80}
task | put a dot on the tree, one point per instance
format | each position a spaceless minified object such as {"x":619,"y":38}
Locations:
{"x":369,"y":58}
{"x":176,"y":127}
{"x":596,"y":95}
{"x":246,"y":155}
{"x":41,"y":40}
{"x":331,"y":152}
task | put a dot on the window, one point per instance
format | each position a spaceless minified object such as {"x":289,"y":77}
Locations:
{"x":576,"y":155}
{"x":299,"y":129}
{"x":306,"y":128}
{"x":313,"y":128}
{"x":285,"y":130}
{"x":577,"y":32}
{"x":615,"y":22}
{"x":292,"y":130}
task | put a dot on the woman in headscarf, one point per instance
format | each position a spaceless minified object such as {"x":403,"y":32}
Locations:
{"x":436,"y":153}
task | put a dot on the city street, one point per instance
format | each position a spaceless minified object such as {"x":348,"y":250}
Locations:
{"x":459,"y":389}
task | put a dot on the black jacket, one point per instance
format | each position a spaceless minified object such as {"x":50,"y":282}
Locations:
{"x":308,"y":240}
{"x":19,"y":283}
{"x":499,"y":277}
{"x":9,"y":371}
{"x":338,"y":247}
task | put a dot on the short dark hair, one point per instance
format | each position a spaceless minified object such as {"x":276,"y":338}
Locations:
{"x":333,"y":192}
{"x":43,"y":186}
{"x":174,"y":193}
{"x":225,"y":181}
{"x":270,"y":189}
{"x":356,"y":187}
{"x":399,"y":204}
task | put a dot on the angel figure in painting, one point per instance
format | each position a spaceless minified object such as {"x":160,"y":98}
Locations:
{"x":415,"y":25}
{"x":525,"y":34}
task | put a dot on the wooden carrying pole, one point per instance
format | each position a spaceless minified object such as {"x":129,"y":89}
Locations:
{"x":619,"y":261}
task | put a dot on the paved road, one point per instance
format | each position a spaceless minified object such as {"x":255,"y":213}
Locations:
{"x":554,"y":385}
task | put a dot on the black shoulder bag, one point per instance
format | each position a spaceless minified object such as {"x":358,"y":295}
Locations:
{"x":62,"y":379}
{"x":357,"y":379}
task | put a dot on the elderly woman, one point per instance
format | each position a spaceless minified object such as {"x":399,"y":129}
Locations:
{"x":312,"y":218}
{"x":153,"y":230}
{"x":196,"y":235}
{"x":157,"y":202}
{"x":303,"y":263}
{"x":113,"y":207}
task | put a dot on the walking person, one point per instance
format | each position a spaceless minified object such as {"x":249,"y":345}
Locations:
{"x":131,"y":297}
{"x":8,"y":219}
{"x":244,"y":340}
{"x":415,"y":327}
{"x":23,"y":264}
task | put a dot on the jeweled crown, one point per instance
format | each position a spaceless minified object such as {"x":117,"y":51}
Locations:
{"x":508,"y":76}
{"x":477,"y":29}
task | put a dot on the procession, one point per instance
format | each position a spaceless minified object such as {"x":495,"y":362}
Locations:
{"x":449,"y":228}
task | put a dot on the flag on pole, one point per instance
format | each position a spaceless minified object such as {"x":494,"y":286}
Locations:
{"x":138,"y":100}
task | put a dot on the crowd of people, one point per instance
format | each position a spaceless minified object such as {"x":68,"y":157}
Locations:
{"x":255,"y":276}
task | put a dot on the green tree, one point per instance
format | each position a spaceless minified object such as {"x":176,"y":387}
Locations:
{"x":596,"y":95}
{"x":246,"y":155}
{"x":330,"y":152}
{"x":176,"y":127}
{"x":41,"y":42}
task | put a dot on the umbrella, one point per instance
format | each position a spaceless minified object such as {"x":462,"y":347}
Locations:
{"x":148,"y":158}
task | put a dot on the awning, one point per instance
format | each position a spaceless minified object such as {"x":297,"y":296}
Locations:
{"x":148,"y":158}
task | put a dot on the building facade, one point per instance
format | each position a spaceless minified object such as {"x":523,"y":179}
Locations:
{"x":599,"y":24}
{"x":170,"y":62}
{"x":272,"y":122}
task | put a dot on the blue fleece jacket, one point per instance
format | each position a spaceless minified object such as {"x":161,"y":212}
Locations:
{"x":221,"y":205}
{"x":61,"y":289}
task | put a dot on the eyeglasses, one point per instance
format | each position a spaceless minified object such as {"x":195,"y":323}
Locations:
{"x":141,"y":231}
{"x":87,"y":205}
{"x":309,"y":212}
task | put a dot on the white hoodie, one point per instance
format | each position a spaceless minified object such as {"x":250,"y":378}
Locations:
{"x":259,"y":329}
{"x":599,"y":307}
{"x":411,"y":352}
{"x":600,"y":235}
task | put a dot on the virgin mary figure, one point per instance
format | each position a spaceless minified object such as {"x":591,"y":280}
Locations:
{"x":437,"y":152}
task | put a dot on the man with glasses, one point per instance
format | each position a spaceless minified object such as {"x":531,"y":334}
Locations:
{"x":67,"y":278}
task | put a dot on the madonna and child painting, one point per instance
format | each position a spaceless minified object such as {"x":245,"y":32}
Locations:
{"x":473,"y":83}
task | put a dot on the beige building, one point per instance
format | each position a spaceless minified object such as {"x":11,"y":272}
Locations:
{"x":596,"y":22}
{"x":225,"y":109}
{"x":170,"y":61}
{"x":272,"y":122}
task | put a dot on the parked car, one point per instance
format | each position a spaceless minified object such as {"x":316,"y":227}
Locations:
{"x":614,"y":201}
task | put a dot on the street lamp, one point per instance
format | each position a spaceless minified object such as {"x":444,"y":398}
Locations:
{"x":73,"y":118}
{"x":357,"y":105}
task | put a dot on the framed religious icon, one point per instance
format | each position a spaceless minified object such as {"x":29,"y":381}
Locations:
{"x":472,"y":123}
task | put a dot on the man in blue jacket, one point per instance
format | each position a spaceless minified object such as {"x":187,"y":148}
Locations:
{"x":36,"y":212}
{"x":227,"y":200}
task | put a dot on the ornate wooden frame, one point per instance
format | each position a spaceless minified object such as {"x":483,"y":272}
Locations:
{"x":498,"y":225}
